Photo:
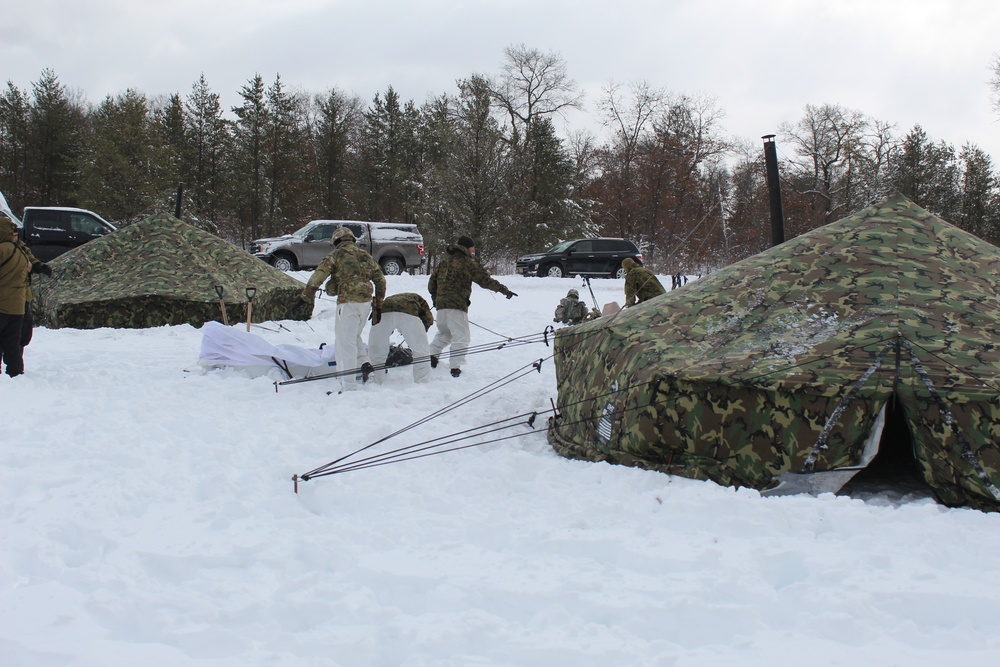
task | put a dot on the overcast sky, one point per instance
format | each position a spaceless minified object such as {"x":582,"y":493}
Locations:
{"x":901,"y":61}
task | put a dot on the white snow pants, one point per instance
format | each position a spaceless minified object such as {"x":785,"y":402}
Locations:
{"x":349,"y":348}
{"x":452,"y":329}
{"x":413,"y":333}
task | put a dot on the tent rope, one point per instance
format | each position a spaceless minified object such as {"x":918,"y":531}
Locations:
{"x":508,"y":342}
{"x":332,"y":467}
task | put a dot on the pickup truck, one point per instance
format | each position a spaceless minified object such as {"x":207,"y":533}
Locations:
{"x":52,"y":230}
{"x":396,"y":247}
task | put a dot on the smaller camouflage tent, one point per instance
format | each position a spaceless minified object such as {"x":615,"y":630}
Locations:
{"x":162,"y":271}
{"x":779,"y":369}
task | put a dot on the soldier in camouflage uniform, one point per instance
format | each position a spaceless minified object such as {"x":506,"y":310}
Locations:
{"x":571,"y":310}
{"x":640,"y":283}
{"x":411,"y":316}
{"x":351,"y":272}
{"x":450,"y":286}
{"x":14,"y":268}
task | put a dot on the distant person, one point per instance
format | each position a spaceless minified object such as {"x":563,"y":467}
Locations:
{"x":570,"y":309}
{"x":352,"y":272}
{"x":14,"y":269}
{"x":410,"y":315}
{"x":450,"y":286}
{"x":640,"y":283}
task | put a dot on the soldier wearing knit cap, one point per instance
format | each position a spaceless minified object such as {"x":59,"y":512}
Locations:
{"x":450,"y":286}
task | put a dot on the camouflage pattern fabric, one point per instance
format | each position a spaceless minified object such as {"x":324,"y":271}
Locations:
{"x":351,"y":271}
{"x":782,"y":362}
{"x":640,"y":284}
{"x":450,"y":283}
{"x":570,"y":311}
{"x":411,"y":304}
{"x":161,"y":271}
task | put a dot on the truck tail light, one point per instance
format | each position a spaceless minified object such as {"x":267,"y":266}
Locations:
{"x":420,"y":248}
{"x":639,"y":258}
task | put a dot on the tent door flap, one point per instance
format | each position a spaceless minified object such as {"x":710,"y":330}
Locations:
{"x":829,"y":481}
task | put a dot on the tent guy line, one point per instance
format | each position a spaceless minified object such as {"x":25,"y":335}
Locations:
{"x":332,"y":467}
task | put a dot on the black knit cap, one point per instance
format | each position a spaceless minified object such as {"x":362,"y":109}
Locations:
{"x":466,"y":242}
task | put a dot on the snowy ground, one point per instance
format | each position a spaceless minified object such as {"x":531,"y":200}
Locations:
{"x":148,"y":518}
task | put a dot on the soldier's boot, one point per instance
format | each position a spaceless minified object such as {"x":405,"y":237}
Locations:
{"x":366,"y":371}
{"x":455,"y":372}
{"x":434,"y":361}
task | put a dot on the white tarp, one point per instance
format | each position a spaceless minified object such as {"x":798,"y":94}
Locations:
{"x":233,"y":346}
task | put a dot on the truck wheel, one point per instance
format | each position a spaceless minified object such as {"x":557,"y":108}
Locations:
{"x":619,"y":273}
{"x":285,"y":263}
{"x":392,"y":266}
{"x":553,"y":271}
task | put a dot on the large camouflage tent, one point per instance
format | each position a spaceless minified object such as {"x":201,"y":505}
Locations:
{"x":162,"y":271}
{"x":778,"y":372}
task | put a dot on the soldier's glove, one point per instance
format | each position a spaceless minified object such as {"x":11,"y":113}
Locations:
{"x":306,"y":296}
{"x":376,"y":314}
{"x":510,"y":294}
{"x":43,"y":268}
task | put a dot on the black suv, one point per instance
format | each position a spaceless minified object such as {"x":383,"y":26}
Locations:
{"x":586,"y":257}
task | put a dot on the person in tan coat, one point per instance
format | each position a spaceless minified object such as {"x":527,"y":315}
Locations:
{"x":14,"y":268}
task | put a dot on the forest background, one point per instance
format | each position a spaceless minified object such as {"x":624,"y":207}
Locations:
{"x":488,"y":159}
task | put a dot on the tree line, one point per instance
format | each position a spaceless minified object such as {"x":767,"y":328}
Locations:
{"x":485,"y":160}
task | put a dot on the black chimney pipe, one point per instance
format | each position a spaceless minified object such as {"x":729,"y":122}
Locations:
{"x":177,"y":203}
{"x":774,"y":188}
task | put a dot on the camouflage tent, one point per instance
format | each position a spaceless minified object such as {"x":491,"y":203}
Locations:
{"x":779,"y":370}
{"x":161,"y":271}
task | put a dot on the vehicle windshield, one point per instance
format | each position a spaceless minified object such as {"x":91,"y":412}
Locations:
{"x":301,"y":233}
{"x":559,"y":247}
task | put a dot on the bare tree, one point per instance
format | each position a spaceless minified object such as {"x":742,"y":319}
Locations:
{"x":826,"y":141}
{"x":531,"y":85}
{"x":629,"y":116}
{"x":995,"y":82}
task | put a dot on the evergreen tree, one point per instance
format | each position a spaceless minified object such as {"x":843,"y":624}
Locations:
{"x":928,"y":174}
{"x":979,"y":213}
{"x":392,"y":159}
{"x":550,"y":209}
{"x":15,"y":141}
{"x":207,"y":135}
{"x":285,"y":160}
{"x":335,"y":131}
{"x":250,"y":167}
{"x":169,"y":125}
{"x":126,"y":169}
{"x":467,"y":186}
{"x":56,"y":127}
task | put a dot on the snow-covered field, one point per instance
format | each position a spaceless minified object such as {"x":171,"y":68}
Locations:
{"x":149,"y":518}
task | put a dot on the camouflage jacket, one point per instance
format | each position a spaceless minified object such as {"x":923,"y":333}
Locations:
{"x":570,"y":310}
{"x":450,"y":284}
{"x":641,"y":284}
{"x":352,"y":271}
{"x":411,"y":304}
{"x":14,"y":268}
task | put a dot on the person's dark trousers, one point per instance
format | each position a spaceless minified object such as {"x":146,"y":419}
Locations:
{"x":10,"y":343}
{"x":27,"y":325}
